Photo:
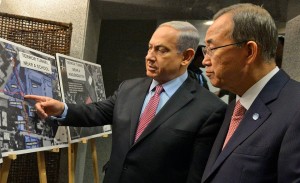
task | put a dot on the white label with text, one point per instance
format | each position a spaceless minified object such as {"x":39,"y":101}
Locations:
{"x":35,"y":63}
{"x":75,"y":70}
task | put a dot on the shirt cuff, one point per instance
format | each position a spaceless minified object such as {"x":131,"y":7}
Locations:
{"x":62,"y":116}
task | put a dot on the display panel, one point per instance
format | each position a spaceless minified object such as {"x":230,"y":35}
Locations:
{"x":82,"y":83}
{"x":27,"y":71}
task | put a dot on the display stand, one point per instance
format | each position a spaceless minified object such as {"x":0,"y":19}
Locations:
{"x":95,"y":161}
{"x":41,"y":167}
{"x":56,"y":150}
{"x":72,"y":152}
{"x":4,"y":171}
{"x":5,"y":167}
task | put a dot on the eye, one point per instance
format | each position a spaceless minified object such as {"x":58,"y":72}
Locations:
{"x":159,"y":50}
{"x":208,"y":51}
{"x":162,"y":50}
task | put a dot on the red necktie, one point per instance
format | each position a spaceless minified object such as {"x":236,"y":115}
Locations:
{"x":149,"y":112}
{"x":236,"y":118}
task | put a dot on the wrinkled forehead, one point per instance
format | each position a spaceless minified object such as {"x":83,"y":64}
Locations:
{"x":220,"y":30}
{"x":164,"y":35}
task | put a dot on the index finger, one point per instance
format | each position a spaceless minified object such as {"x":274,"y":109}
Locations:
{"x":36,"y":98}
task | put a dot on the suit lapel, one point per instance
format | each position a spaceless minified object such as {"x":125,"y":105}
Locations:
{"x":248,"y":125}
{"x":218,"y":144}
{"x":180,"y":98}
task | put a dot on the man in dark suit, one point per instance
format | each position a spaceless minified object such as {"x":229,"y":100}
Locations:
{"x":194,"y":70}
{"x":240,"y":57}
{"x":175,"y":146}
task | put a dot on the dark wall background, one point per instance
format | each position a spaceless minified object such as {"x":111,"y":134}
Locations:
{"x":122,"y":49}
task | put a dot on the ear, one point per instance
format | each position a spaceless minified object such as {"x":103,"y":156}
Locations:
{"x":252,"y":51}
{"x":188,"y":56}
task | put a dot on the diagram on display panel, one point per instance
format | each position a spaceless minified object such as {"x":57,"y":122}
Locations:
{"x":27,"y":71}
{"x":82,"y":83}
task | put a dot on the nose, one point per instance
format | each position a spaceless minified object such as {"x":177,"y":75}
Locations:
{"x":206,"y":60}
{"x":150,"y":55}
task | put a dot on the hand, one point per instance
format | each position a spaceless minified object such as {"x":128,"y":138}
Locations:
{"x":46,"y":106}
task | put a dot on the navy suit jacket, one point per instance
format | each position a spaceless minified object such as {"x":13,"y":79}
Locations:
{"x":266,"y":149}
{"x":175,"y":146}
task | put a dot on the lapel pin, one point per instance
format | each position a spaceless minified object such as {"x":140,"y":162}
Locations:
{"x":255,"y":116}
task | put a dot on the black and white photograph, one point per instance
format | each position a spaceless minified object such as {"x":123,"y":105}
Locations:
{"x":82,"y":83}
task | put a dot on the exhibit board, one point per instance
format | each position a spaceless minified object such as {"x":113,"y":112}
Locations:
{"x":82,"y":83}
{"x":27,"y":71}
{"x":1,"y":159}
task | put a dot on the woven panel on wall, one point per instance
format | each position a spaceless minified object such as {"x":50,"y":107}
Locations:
{"x":49,"y":37}
{"x":25,"y":168}
{"x":46,"y":36}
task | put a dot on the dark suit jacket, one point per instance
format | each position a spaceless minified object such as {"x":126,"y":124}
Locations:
{"x":262,"y":150}
{"x":173,"y":148}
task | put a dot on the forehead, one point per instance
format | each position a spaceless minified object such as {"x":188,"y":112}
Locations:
{"x":220,"y":30}
{"x":164,"y":35}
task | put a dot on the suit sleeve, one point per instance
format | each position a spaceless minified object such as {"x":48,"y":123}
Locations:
{"x":203,"y":144}
{"x":93,"y":114}
{"x":289,"y":155}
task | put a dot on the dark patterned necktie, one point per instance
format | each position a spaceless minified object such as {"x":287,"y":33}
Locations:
{"x":149,"y":112}
{"x":236,"y":118}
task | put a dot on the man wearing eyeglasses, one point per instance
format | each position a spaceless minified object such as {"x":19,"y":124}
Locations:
{"x":259,"y":140}
{"x":166,"y":144}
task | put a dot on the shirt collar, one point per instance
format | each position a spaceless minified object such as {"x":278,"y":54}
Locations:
{"x":170,"y":87}
{"x":250,"y":95}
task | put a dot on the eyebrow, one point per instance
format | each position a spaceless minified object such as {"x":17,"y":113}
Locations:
{"x":159,"y":45}
{"x":209,"y":41}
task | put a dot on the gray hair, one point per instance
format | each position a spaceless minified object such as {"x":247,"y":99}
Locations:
{"x":252,"y":22}
{"x":188,"y":35}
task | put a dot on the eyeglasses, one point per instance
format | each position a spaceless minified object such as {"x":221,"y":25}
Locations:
{"x":209,"y":51}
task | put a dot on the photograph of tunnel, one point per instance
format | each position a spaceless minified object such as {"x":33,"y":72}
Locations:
{"x":27,"y":71}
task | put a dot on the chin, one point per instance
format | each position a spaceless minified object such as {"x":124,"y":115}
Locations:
{"x":151,"y":75}
{"x":215,"y":83}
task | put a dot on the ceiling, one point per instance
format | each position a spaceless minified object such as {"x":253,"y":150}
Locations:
{"x":184,"y":9}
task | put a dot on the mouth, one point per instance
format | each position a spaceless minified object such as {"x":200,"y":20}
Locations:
{"x":208,"y":74}
{"x":151,"y":68}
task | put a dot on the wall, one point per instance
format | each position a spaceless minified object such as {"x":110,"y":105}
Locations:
{"x":293,"y":9}
{"x":74,"y":11}
{"x":92,"y":33}
{"x":291,"y":53}
{"x":122,"y":49}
